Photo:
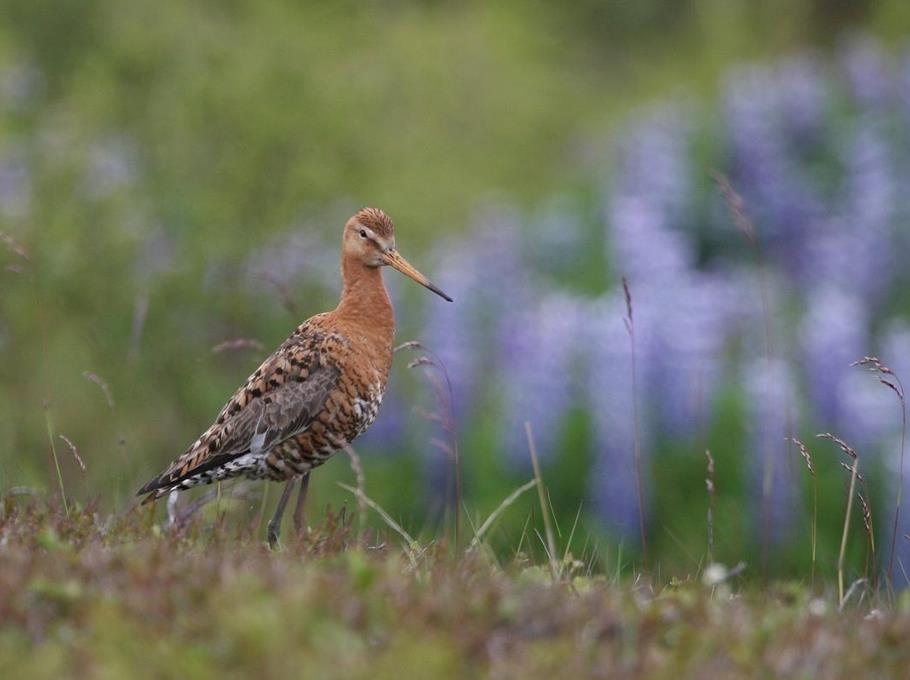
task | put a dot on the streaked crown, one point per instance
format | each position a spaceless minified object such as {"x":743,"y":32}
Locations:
{"x":377,"y":220}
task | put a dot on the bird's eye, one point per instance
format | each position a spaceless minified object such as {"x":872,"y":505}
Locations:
{"x":363,"y":233}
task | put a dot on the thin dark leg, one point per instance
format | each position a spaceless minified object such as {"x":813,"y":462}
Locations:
{"x":299,"y":524}
{"x":275,"y":523}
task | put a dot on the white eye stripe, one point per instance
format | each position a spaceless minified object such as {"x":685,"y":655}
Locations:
{"x":368,"y":234}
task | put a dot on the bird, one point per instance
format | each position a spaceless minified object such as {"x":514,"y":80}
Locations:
{"x":316,"y":393}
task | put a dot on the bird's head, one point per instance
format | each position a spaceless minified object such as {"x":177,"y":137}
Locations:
{"x":369,"y":238}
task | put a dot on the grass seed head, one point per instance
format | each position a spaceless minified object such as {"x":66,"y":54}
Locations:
{"x":846,"y":448}
{"x":804,"y":452}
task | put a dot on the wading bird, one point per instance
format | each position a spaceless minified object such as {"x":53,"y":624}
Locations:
{"x":319,"y":390}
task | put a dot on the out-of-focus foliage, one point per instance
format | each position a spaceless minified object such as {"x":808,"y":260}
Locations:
{"x":178,"y":174}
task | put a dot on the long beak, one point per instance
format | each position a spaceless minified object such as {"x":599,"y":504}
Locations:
{"x":394,"y":259}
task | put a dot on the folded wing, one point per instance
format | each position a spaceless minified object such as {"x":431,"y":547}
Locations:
{"x":264,"y":413}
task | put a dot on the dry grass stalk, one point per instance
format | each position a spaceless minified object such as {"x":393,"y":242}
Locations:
{"x":890,"y":379}
{"x":14,"y":246}
{"x":179,"y":518}
{"x":238,"y":343}
{"x":804,"y":452}
{"x":544,"y":505}
{"x":737,"y":207}
{"x":287,"y":301}
{"x":843,"y":542}
{"x":73,"y":450}
{"x":627,"y":294}
{"x":709,"y":483}
{"x":50,"y":437}
{"x":412,"y":545}
{"x":629,"y":321}
{"x":410,"y":344}
{"x":140,"y":313}
{"x":867,"y":523}
{"x":509,"y":500}
{"x":854,"y":472}
{"x":357,"y":467}
{"x":807,"y":457}
{"x":844,"y":446}
{"x":849,"y":469}
{"x":15,"y":491}
{"x":99,"y":381}
{"x":438,"y":377}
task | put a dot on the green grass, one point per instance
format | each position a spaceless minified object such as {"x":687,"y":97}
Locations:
{"x":95,"y":595}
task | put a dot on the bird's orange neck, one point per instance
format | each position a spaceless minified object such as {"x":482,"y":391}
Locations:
{"x":364,"y":299}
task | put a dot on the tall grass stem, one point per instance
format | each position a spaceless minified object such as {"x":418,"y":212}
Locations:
{"x":50,"y":437}
{"x":544,"y":506}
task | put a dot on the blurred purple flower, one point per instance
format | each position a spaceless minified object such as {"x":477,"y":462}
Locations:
{"x":895,"y":352}
{"x":486,"y":275}
{"x":867,"y":72}
{"x":608,"y":380}
{"x":804,"y":100}
{"x":780,"y":197}
{"x":770,"y":399}
{"x":537,"y":375}
{"x":647,"y":199}
{"x":859,"y":242}
{"x":833,"y":334}
{"x":694,"y":321}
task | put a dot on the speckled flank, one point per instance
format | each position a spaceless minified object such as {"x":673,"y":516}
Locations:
{"x":319,"y":390}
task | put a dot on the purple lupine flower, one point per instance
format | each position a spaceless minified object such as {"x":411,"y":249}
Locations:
{"x":537,"y":375}
{"x":608,"y":380}
{"x":770,"y":401}
{"x":854,"y":248}
{"x":642,"y":246}
{"x":868,"y":72}
{"x":804,"y":99}
{"x":780,"y":196}
{"x":694,"y":321}
{"x":895,"y":348}
{"x":645,"y":202}
{"x":489,"y":278}
{"x":871,"y":413}
{"x":895,"y":352}
{"x":834,"y":333}
{"x":653,"y":160}
{"x":869,"y":194}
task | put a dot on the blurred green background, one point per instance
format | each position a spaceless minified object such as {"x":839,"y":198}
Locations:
{"x":152,"y":147}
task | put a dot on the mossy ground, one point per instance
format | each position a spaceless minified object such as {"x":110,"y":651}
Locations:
{"x":93,"y":595}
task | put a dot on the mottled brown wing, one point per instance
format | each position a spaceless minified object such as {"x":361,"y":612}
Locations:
{"x":266,"y":419}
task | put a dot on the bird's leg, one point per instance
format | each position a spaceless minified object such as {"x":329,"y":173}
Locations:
{"x":301,"y":501}
{"x":274,"y":527}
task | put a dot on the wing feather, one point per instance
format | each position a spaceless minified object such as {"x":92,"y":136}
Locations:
{"x":277,"y":402}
